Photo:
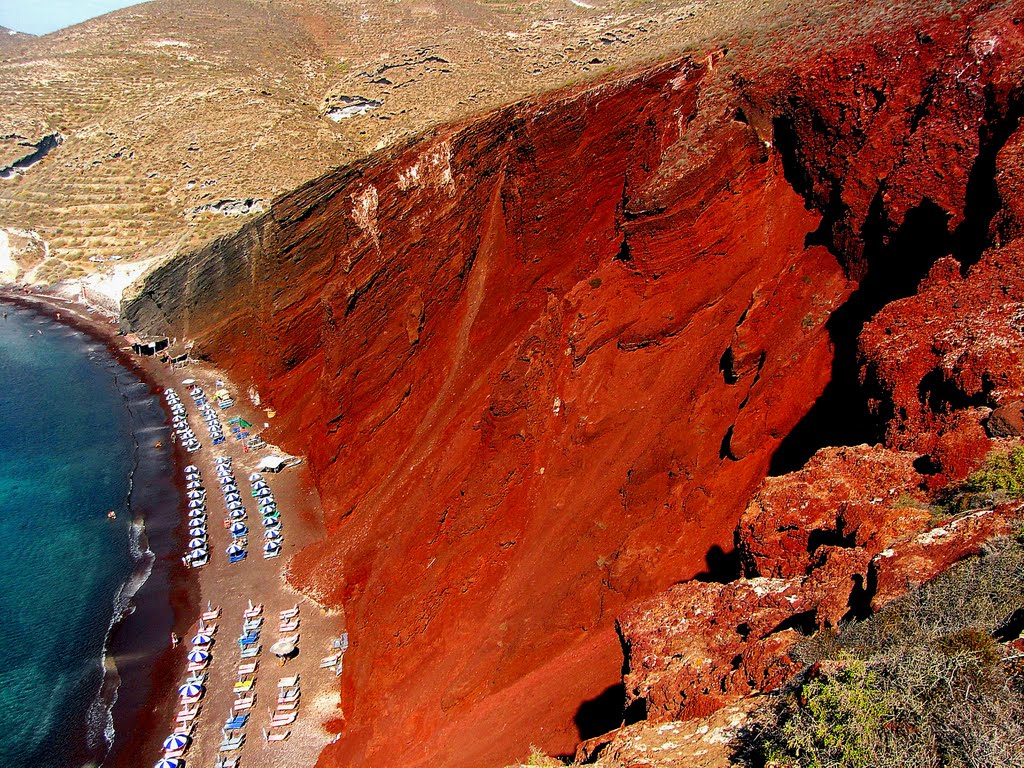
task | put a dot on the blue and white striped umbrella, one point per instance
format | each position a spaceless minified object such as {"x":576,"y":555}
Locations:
{"x":239,"y":529}
{"x":255,"y":476}
{"x":190,"y":690}
{"x":196,"y":504}
{"x":271,"y":546}
{"x":197,"y":512}
{"x":197,"y":656}
{"x":262,"y":492}
{"x":271,"y":522}
{"x":272,"y":535}
{"x":237,"y":514}
{"x":259,"y":484}
{"x":168,"y":762}
{"x":197,"y":543}
{"x":234,"y":505}
{"x":223,"y":460}
{"x":200,"y":552}
{"x":229,"y":497}
{"x":202,"y":639}
{"x":226,"y":480}
{"x":195,"y":495}
{"x":175,"y":741}
{"x":235,"y":549}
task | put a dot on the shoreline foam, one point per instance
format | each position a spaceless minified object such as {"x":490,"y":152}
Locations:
{"x":133,"y":655}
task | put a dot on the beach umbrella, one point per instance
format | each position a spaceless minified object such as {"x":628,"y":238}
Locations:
{"x":197,"y":656}
{"x":262,"y":492}
{"x":175,"y":741}
{"x":272,"y":535}
{"x":235,"y":549}
{"x":197,"y":544}
{"x":196,"y":503}
{"x":230,"y":497}
{"x":194,"y":485}
{"x":202,"y":639}
{"x":191,"y":690}
{"x":233,"y":505}
{"x":197,"y":513}
{"x":239,"y":529}
{"x":168,"y":762}
{"x":223,"y":460}
{"x":271,"y":522}
{"x":255,"y":476}
{"x":200,"y":552}
{"x":232,"y":488}
{"x":191,"y":468}
{"x":272,"y":546}
{"x":199,"y":532}
{"x":194,"y":495}
{"x":259,"y":484}
{"x":223,"y":471}
{"x":226,"y":480}
{"x":283,"y":648}
{"x":237,"y":514}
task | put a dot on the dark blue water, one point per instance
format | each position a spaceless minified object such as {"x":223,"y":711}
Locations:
{"x":66,"y":457}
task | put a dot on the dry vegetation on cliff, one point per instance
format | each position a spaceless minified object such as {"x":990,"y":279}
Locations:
{"x":936,"y":678}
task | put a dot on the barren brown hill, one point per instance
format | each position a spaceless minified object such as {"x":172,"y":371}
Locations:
{"x":177,"y":116}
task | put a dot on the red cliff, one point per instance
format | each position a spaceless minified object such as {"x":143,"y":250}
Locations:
{"x":541,"y":362}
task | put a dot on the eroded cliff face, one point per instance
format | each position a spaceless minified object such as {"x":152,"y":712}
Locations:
{"x":541,"y":361}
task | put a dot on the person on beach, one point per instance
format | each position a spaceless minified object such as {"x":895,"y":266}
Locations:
{"x":175,"y":639}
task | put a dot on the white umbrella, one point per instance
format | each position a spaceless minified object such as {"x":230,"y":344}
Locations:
{"x":175,"y":741}
{"x":197,"y":656}
{"x":272,"y":535}
{"x":238,"y":529}
{"x":190,"y":690}
{"x":282,"y":647}
{"x":202,"y":639}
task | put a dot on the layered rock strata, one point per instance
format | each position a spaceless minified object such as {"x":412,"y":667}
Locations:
{"x":541,"y":362}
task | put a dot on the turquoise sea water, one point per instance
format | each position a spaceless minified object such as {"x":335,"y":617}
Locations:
{"x":66,"y":455}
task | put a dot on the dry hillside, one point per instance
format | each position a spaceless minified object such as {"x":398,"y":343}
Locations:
{"x":168,"y":121}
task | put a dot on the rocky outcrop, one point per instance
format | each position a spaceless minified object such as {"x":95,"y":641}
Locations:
{"x":541,"y":361}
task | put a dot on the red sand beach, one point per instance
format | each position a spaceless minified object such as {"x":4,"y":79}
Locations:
{"x":151,"y":670}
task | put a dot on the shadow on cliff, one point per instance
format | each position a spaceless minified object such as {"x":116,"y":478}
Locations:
{"x":608,"y":711}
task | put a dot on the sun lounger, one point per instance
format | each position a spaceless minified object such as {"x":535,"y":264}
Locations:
{"x":248,"y":668}
{"x":226,"y":762}
{"x":289,"y":626}
{"x":286,"y":707}
{"x":249,"y":638}
{"x":173,"y":753}
{"x":271,"y":736}
{"x":284,"y":719}
{"x":244,"y":686}
{"x":254,"y":623}
{"x":196,"y":678}
{"x":329,"y":661}
{"x":231,"y":743}
{"x":243,"y":704}
{"x":237,"y":722}
{"x":290,"y":613}
{"x":253,"y":610}
{"x":197,"y":666}
{"x":289,"y":694}
{"x":251,"y":651}
{"x":288,"y":682}
{"x":294,"y":639}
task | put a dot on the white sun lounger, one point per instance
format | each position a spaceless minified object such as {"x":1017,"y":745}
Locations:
{"x":288,"y":682}
{"x":329,"y":661}
{"x":247,"y":669}
{"x":285,"y":719}
{"x":251,"y":652}
{"x":253,"y":611}
{"x":290,"y":613}
{"x":271,"y":736}
{"x":286,"y":706}
{"x":289,"y":626}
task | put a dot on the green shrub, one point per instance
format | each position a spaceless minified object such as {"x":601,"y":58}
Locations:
{"x":1003,"y":472}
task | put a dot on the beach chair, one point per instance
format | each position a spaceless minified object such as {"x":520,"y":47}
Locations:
{"x":244,"y":703}
{"x":249,"y":638}
{"x":289,"y":697}
{"x":252,"y":624}
{"x":173,"y":753}
{"x":244,"y":686}
{"x":253,"y":611}
{"x":226,"y":762}
{"x":248,"y":668}
{"x":288,"y":682}
{"x":251,"y":651}
{"x":329,"y":661}
{"x":290,"y":613}
{"x":197,"y":678}
{"x":289,"y":626}
{"x":232,"y":742}
{"x":236,"y":722}
{"x":271,"y":736}
{"x":197,"y":666}
{"x":283,"y":719}
{"x":286,"y":706}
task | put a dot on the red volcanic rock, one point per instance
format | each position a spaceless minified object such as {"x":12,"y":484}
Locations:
{"x":915,"y":561}
{"x":540,"y":362}
{"x":856,"y":498}
{"x":941,"y":354}
{"x":698,"y":645}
